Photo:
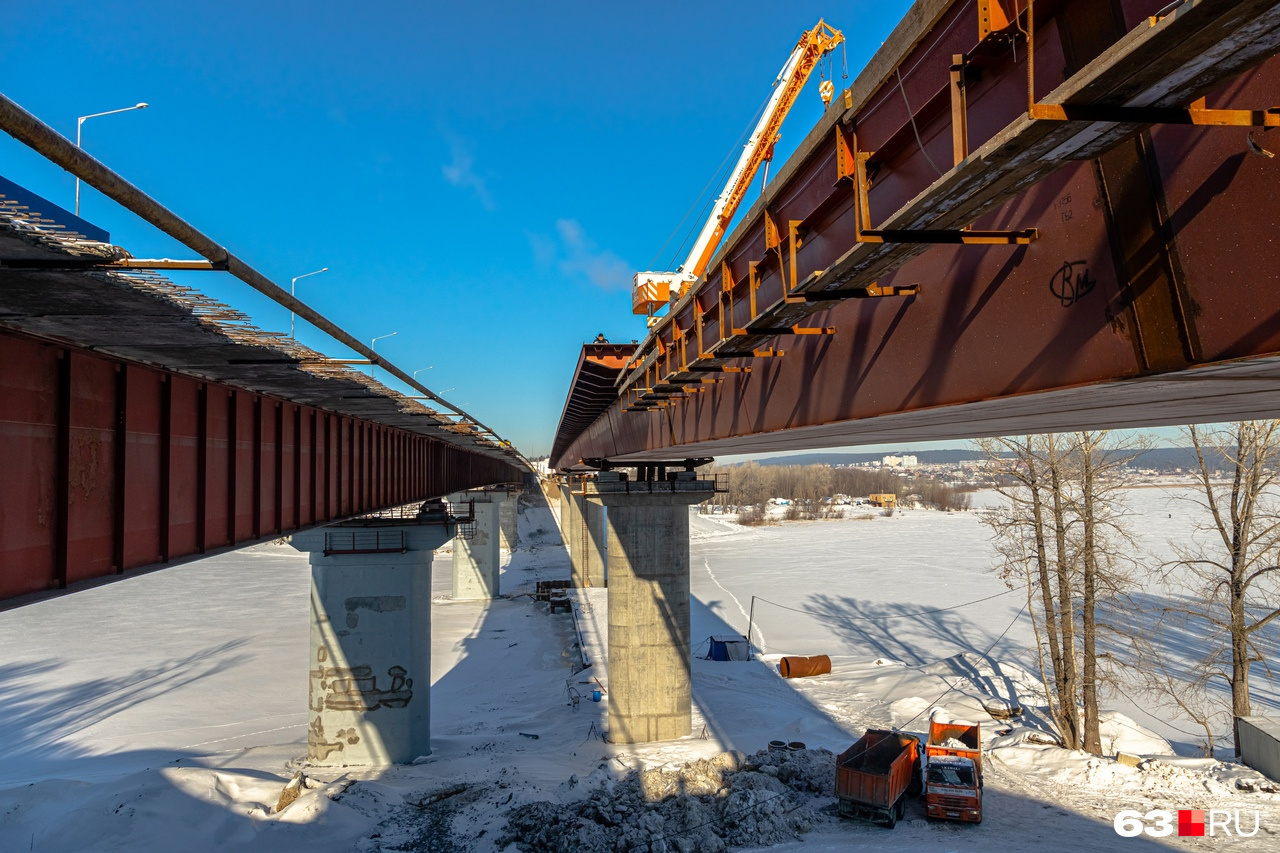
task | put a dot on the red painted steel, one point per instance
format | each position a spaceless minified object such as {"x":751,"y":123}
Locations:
{"x":992,"y":325}
{"x":91,"y":467}
{"x":112,"y":466}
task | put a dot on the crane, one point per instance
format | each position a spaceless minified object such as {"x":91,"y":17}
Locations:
{"x":651,"y":290}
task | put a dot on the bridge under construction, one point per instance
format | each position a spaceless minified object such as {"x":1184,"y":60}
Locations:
{"x":1019,"y":217}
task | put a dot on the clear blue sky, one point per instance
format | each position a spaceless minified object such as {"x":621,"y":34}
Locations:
{"x":482,"y":179}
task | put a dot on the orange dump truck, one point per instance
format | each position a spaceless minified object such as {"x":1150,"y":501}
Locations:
{"x":953,"y":772}
{"x":873,"y":775}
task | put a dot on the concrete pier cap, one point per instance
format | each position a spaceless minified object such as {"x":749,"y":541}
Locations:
{"x":647,"y":532}
{"x":369,"y":685}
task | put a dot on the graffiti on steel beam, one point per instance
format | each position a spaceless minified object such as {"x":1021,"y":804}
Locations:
{"x":1068,"y":285}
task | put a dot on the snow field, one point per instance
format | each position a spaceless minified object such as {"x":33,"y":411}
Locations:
{"x":167,"y":711}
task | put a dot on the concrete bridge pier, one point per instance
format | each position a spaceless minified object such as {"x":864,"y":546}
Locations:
{"x":649,"y":643}
{"x":590,"y":544}
{"x":582,"y":527}
{"x":370,"y":666}
{"x":571,"y":511}
{"x":477,"y":555}
{"x":509,"y":520}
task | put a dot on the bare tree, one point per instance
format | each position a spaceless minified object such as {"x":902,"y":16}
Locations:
{"x":750,"y":485}
{"x":1054,"y":453}
{"x":1065,"y":530}
{"x":1169,"y":682}
{"x":1031,"y":467}
{"x":1233,"y":583}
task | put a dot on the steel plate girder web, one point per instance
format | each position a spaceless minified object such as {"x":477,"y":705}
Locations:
{"x":115,"y":466}
{"x":977,"y":325}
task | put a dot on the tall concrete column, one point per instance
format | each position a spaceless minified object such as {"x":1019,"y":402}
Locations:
{"x":370,"y":665}
{"x":571,"y":507}
{"x":509,"y":520}
{"x":591,"y":540}
{"x":477,"y":557}
{"x":649,"y":649}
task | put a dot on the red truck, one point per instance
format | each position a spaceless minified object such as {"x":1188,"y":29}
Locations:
{"x":953,"y":771}
{"x":873,"y":775}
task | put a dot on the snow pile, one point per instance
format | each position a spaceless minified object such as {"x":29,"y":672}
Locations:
{"x":704,"y":805}
{"x":1121,"y":734}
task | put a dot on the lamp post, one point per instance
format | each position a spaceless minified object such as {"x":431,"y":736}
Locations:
{"x":420,"y":370}
{"x":373,"y":345}
{"x":141,"y":105}
{"x":293,"y":289}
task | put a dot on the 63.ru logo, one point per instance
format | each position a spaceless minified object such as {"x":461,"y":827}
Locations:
{"x":1159,"y":823}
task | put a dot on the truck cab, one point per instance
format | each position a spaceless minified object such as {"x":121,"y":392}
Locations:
{"x":953,"y":789}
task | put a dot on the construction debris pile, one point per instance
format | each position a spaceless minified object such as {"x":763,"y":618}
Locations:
{"x":705,"y":805}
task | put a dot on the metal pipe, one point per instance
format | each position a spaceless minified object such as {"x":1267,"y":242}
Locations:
{"x":40,"y":137}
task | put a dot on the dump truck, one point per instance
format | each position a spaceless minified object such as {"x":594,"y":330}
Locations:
{"x":953,"y":771}
{"x":874,"y":775}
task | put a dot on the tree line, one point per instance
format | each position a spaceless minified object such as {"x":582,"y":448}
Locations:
{"x":752,"y":485}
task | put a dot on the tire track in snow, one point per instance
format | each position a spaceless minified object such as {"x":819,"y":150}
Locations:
{"x":707,"y":565}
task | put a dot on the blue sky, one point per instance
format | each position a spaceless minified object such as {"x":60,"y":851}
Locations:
{"x":481,"y":179}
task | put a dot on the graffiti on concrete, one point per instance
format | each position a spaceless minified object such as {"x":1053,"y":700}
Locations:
{"x":376,"y":603}
{"x":319,"y":749}
{"x":356,"y":688}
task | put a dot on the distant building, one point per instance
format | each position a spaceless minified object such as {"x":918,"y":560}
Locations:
{"x":900,"y":461}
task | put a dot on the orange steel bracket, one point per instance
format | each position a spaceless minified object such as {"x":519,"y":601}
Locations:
{"x":959,"y":110}
{"x":726,"y":295}
{"x":991,"y":18}
{"x":772,"y":237}
{"x":863,"y":233}
{"x":1194,"y":114}
{"x":846,"y":146}
{"x":794,"y":240}
{"x":753,"y":283}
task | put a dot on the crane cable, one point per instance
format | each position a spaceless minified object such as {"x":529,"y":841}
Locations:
{"x":735,"y":148}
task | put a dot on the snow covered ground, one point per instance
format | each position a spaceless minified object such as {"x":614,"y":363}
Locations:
{"x":167,"y":711}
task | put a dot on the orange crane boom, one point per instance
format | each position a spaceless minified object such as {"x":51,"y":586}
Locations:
{"x":651,"y":290}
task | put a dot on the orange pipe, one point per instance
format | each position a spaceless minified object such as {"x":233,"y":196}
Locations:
{"x":797,"y":667}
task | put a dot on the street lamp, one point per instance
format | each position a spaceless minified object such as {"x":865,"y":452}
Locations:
{"x":420,"y":370}
{"x":141,"y":105}
{"x":373,"y":345}
{"x":293,"y":290}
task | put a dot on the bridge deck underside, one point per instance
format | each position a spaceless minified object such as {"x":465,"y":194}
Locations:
{"x":141,"y":423}
{"x":1149,"y":297}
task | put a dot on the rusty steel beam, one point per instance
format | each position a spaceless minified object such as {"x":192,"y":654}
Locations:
{"x":113,"y":466}
{"x":1118,"y":282}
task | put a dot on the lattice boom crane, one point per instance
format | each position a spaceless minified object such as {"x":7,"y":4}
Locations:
{"x":651,"y":290}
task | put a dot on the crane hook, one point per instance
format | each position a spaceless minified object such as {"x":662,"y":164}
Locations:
{"x":827,"y":90}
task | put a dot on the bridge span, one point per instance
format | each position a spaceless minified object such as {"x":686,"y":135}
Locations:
{"x":142,"y":422}
{"x":963,"y":248}
{"x":1019,"y":218}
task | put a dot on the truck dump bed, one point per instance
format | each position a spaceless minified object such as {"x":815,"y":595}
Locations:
{"x":943,"y":739}
{"x":873,"y":775}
